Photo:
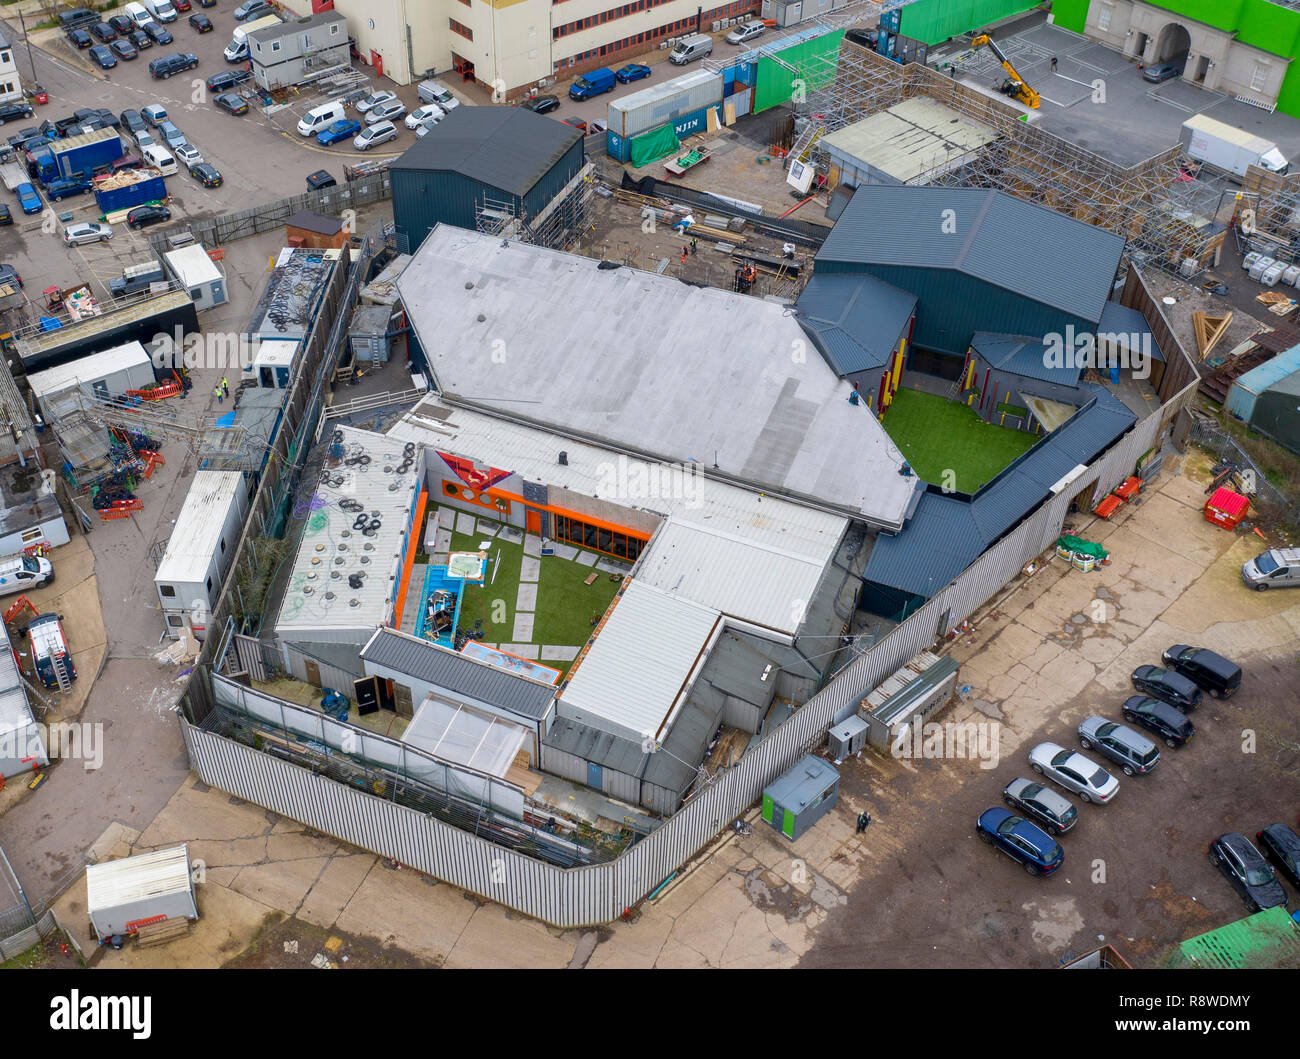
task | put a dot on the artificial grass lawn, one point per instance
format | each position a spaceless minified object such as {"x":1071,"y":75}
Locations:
{"x":936,"y":435}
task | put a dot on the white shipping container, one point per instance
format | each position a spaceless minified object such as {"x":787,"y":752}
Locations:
{"x":123,"y":894}
{"x":653,"y":106}
{"x":1228,"y":147}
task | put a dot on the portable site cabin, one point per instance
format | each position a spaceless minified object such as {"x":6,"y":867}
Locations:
{"x":124,"y":895}
{"x":197,"y":273}
{"x":272,"y":364}
{"x":796,"y":801}
{"x":200,"y":550}
{"x":100,"y":375}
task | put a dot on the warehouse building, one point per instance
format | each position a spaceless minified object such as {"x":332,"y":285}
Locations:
{"x":503,"y":170}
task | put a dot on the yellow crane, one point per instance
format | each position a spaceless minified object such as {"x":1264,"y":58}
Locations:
{"x":1014,"y":85}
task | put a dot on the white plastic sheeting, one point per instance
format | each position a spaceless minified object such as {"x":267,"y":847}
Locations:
{"x":464,"y":736}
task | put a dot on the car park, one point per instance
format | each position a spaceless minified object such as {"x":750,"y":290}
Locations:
{"x":252,"y":8}
{"x":102,"y":31}
{"x":322,"y":178}
{"x":86,"y":232}
{"x":1051,"y":811}
{"x":230,"y":103}
{"x":121,"y":24}
{"x":1162,"y":720}
{"x":366,"y":103}
{"x":201,"y":23}
{"x":1281,"y":845}
{"x":373,"y":135}
{"x":140,"y":39}
{"x":428,"y":114}
{"x":15,"y":111}
{"x":746,"y":32}
{"x":159,"y":34}
{"x":1133,"y":752}
{"x":81,"y":37}
{"x":1170,"y":687}
{"x":1247,"y":871}
{"x":227,"y":79}
{"x":1209,"y":671}
{"x":1074,"y":772}
{"x":28,"y":200}
{"x":541,"y":104}
{"x":144,"y":216}
{"x":103,"y":56}
{"x":65,"y":187}
{"x":338,"y":131}
{"x":206,"y":174}
{"x":187,"y":154}
{"x":124,"y":49}
{"x":388,"y":111}
{"x":632,"y":72}
{"x":1022,"y":841}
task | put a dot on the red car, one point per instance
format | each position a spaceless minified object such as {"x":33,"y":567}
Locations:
{"x":181,"y":5}
{"x":577,"y":123}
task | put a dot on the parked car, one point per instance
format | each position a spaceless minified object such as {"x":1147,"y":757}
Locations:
{"x":1133,"y":752}
{"x":140,"y":39}
{"x":144,"y":216}
{"x":170,"y":135}
{"x":428,"y":114}
{"x":1250,"y":874}
{"x":747,"y":31}
{"x":169,"y":65}
{"x":102,"y":31}
{"x":1281,"y":845}
{"x":121,"y":24}
{"x":1209,"y":671}
{"x":15,"y":111}
{"x":103,"y":56}
{"x":1074,"y":772}
{"x":1275,"y":568}
{"x":322,"y":178}
{"x":159,"y":34}
{"x":154,"y":114}
{"x":124,"y":49}
{"x":65,"y":187}
{"x":206,"y":174}
{"x":77,"y":16}
{"x":251,"y":9}
{"x":1042,"y":805}
{"x":81,"y":37}
{"x":541,"y":104}
{"x":366,"y":103}
{"x":9,"y":276}
{"x":201,"y":22}
{"x":187,"y":154}
{"x":207,"y":3}
{"x":6,"y":218}
{"x":227,"y":79}
{"x":1020,"y":840}
{"x":126,"y":161}
{"x":28,"y":199}
{"x":390,"y":112}
{"x":231,"y":103}
{"x":632,"y":72}
{"x":380,"y":132}
{"x":1161,"y":72}
{"x":181,"y":5}
{"x":338,"y":131}
{"x":1172,"y":688}
{"x":86,"y":232}
{"x":1159,"y":718}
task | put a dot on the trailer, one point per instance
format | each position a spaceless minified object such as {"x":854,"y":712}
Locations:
{"x":86,"y":153}
{"x":123,"y":896}
{"x":128,"y":189}
{"x":201,"y":549}
{"x":1229,"y":148}
{"x":13,"y":174}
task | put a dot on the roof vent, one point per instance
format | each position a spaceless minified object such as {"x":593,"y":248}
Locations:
{"x":481,"y":318}
{"x":329,"y":595}
{"x":469,"y":284}
{"x":307,"y":590}
{"x":368,"y":547}
{"x":365,"y":558}
{"x":338,"y":561}
{"x":320,"y":547}
{"x":335,"y":574}
{"x":346,"y":533}
{"x":354,"y":603}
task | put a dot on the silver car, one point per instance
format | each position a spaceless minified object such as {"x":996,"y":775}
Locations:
{"x":748,"y":31}
{"x":381,"y":132}
{"x":388,"y":111}
{"x":1133,"y":752}
{"x":86,"y":232}
{"x":374,"y":100}
{"x":1074,"y":772}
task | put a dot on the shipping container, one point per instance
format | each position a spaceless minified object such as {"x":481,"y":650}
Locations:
{"x":148,"y":186}
{"x":87,"y":152}
{"x":659,"y":104}
{"x":1228,"y":147}
{"x":124,"y":895}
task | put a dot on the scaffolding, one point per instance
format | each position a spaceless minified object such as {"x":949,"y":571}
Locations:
{"x":561,"y":224}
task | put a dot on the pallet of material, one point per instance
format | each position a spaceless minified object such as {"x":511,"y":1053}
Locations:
{"x":770,"y":262}
{"x":162,"y":932}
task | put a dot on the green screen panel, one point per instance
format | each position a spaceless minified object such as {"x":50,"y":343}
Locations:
{"x":787,"y":825}
{"x":1070,"y":14}
{"x":811,"y":61}
{"x":934,"y":21}
{"x":767,"y":808}
{"x":1221,"y":14}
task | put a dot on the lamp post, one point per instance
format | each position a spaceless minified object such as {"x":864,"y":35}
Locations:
{"x":31,"y":61}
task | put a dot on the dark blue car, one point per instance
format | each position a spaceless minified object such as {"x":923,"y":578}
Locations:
{"x":632,"y":72}
{"x":1023,"y":842}
{"x":340,"y":130}
{"x":65,"y":186}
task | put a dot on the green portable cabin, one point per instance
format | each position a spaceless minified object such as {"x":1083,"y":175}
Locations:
{"x":796,"y":801}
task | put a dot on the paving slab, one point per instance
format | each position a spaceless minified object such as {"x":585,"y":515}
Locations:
{"x":532,"y":945}
{"x":533,"y":545}
{"x":513,"y":534}
{"x":530,"y":568}
{"x":523,"y":650}
{"x":586,"y":559}
{"x":527,"y":597}
{"x":337,"y":886}
{"x":404,"y":908}
{"x":523,"y":629}
{"x":488,"y":528}
{"x":611,"y":566}
{"x":558,"y":653}
{"x":563,"y":551}
{"x":465,"y":523}
{"x":280,"y":884}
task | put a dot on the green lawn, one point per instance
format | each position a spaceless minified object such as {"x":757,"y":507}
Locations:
{"x":942,"y":439}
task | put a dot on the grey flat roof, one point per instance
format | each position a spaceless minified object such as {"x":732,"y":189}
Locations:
{"x":648,"y":364}
{"x":509,"y":148}
{"x":857,"y":320}
{"x":1120,"y":319}
{"x":809,"y":777}
{"x":1000,"y":239}
{"x":457,"y":673}
{"x":1024,"y":356}
{"x":299,"y":25}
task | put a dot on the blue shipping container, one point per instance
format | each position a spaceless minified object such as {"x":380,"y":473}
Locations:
{"x":150,"y":190}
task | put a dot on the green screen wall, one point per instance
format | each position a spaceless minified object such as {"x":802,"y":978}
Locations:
{"x":815,"y":60}
{"x":1070,"y":14}
{"x":934,"y":21}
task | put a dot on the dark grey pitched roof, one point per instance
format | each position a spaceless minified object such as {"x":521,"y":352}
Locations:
{"x":619,"y":754}
{"x":504,"y":147}
{"x":947,"y":534}
{"x":1120,"y":319}
{"x":856,"y":320}
{"x":456,"y":673}
{"x":995,"y":237}
{"x":311,"y":221}
{"x":1023,"y":356}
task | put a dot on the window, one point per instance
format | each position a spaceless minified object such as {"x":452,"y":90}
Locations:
{"x":1259,"y":78}
{"x":167,"y":590}
{"x":175,"y":621}
{"x":1103,"y":17}
{"x":31,"y":536}
{"x":464,"y":31}
{"x":209,"y":584}
{"x":223,"y":545}
{"x":334,"y":29}
{"x":275,"y":45}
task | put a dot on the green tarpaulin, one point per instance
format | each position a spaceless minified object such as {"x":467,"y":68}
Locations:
{"x":1083,"y":547}
{"x":812,"y":63}
{"x":653,"y":145}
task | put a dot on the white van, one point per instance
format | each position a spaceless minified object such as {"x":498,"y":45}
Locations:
{"x":318,"y":117}
{"x":688,"y":49}
{"x":160,"y":158}
{"x":138,"y":14}
{"x":162,"y":10}
{"x":437,"y":92}
{"x":21,"y":573}
{"x":237,"y":50}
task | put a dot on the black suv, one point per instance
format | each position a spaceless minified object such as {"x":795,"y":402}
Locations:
{"x":121,"y":287}
{"x":1204,"y":668}
{"x":15,"y":111}
{"x":169,"y":65}
{"x":227,"y":79}
{"x":158,"y":33}
{"x":1281,"y":845}
{"x":81,"y":37}
{"x":1159,"y":718}
{"x":1171,"y":687}
{"x":1248,"y":872}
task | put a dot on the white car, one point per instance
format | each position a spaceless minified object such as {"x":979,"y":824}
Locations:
{"x":748,"y":31}
{"x":1074,"y":772}
{"x":390,"y":111}
{"x":144,"y":139}
{"x":86,"y":232}
{"x":380,"y":132}
{"x":373,"y":100}
{"x":429,"y":114}
{"x":188,"y":154}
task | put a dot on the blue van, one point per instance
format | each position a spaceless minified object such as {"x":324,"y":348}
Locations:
{"x":593,"y":84}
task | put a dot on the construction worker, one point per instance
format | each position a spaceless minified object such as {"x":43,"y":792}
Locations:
{"x":695,"y":243}
{"x":1053,"y":64}
{"x":217,"y":391}
{"x":225,"y":386}
{"x":864,"y":818}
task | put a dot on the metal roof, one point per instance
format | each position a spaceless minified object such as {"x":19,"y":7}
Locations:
{"x":998,"y":238}
{"x":1271,"y":372}
{"x":809,"y":777}
{"x":508,"y":148}
{"x":15,"y":711}
{"x":459,"y":674}
{"x":1023,"y":356}
{"x":910,"y":139}
{"x":199,"y":526}
{"x":647,"y":363}
{"x":1119,"y":319}
{"x":858,"y":319}
{"x":88,"y":369}
{"x":122,"y":882}
{"x":641,"y":665}
{"x":360,"y":468}
{"x":1265,"y":939}
{"x":947,"y":534}
{"x":192,"y":265}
